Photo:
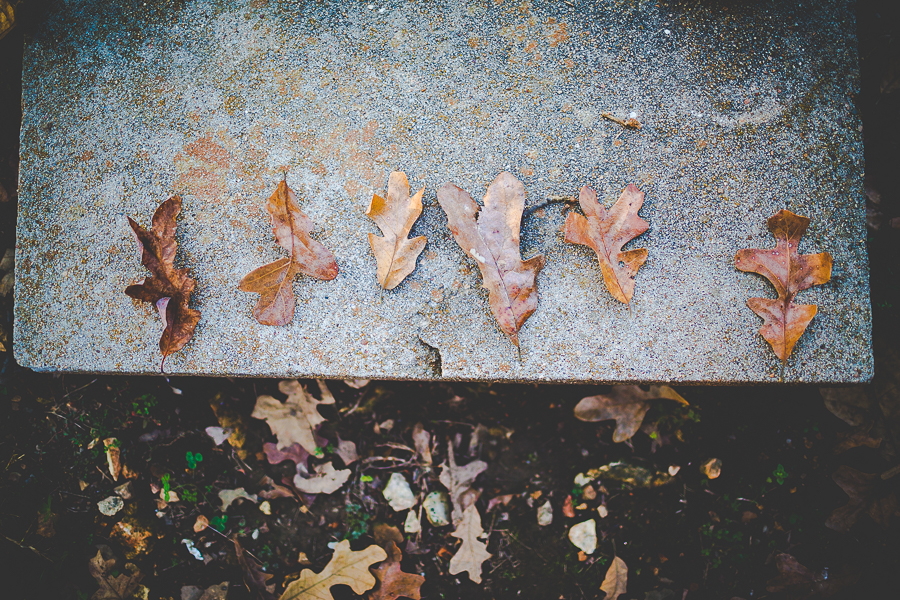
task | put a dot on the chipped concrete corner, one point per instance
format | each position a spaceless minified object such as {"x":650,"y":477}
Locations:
{"x":745,"y":111}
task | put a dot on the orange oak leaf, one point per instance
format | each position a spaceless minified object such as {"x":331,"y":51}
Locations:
{"x":168,"y":288}
{"x":493,"y":242}
{"x":395,"y":253}
{"x":274,"y":281}
{"x":392,"y":581}
{"x":606,"y":232}
{"x":790,"y":272}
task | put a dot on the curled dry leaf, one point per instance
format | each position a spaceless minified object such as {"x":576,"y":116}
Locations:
{"x":294,"y":453}
{"x":327,"y":480}
{"x":790,"y":272}
{"x":295,"y":420}
{"x":229,"y":496}
{"x":627,"y":404}
{"x":274,"y":281}
{"x":168,"y":288}
{"x":346,"y":450}
{"x":113,"y":457}
{"x":616,"y":579}
{"x":493,"y":243}
{"x":395,"y":253}
{"x":458,"y":480}
{"x":345,"y":568}
{"x":868,"y":494}
{"x":392,"y":581}
{"x":606,"y":232}
{"x":712,"y":468}
{"x":422,"y":440}
{"x":473,"y":551}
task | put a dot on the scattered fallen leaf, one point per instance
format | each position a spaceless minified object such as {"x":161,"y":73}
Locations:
{"x":384,"y":534}
{"x":200,"y":524}
{"x":192,"y":549}
{"x":545,"y":514}
{"x":294,"y":453}
{"x":392,"y":582}
{"x":790,"y":272}
{"x":295,"y":420}
{"x":356,"y":384}
{"x":124,"y":585}
{"x":232,"y":419}
{"x":868,"y":493}
{"x":851,"y":405}
{"x":398,"y":493}
{"x":46,"y":522}
{"x":113,"y":457}
{"x":616,"y":579}
{"x":630,"y":473}
{"x":395,"y":253}
{"x":800,"y":582}
{"x":275,"y":490}
{"x":856,"y":437}
{"x":274,"y":281}
{"x":568,"y":508}
{"x":7,"y":21}
{"x":213,"y":592}
{"x":458,"y":480}
{"x":168,"y":288}
{"x":473,"y":551}
{"x":346,"y":450}
{"x":627,"y":404}
{"x":496,"y":501}
{"x":218,"y":434}
{"x":229,"y":496}
{"x":606,"y":232}
{"x":345,"y":568}
{"x":265,"y":508}
{"x":422,"y":441}
{"x":712,"y":468}
{"x":437,"y":508}
{"x":493,"y":242}
{"x":134,"y":535}
{"x":413,"y":523}
{"x":124,"y":491}
{"x":327,"y":480}
{"x":256,"y":580}
{"x":584,"y":536}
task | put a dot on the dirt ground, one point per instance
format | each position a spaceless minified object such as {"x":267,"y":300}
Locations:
{"x":788,"y":458}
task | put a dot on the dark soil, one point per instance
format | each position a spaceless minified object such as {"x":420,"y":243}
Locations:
{"x":695,"y":537}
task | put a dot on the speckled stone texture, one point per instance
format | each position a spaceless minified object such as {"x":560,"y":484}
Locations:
{"x":746,"y":108}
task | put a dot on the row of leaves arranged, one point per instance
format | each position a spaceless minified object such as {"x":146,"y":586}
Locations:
{"x":489,"y":235}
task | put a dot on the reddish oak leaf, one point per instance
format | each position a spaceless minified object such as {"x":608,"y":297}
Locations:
{"x":395,"y":253}
{"x":168,"y":288}
{"x":392,"y":581}
{"x":274,"y":281}
{"x":493,"y":242}
{"x":790,"y":272}
{"x":606,"y":232}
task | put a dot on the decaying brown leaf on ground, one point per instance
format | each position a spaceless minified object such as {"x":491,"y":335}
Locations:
{"x":395,"y":215}
{"x":606,"y":232}
{"x":790,"y":272}
{"x":800,"y":582}
{"x":393,"y":583}
{"x":122,"y":586}
{"x":458,"y":480}
{"x":493,"y":242}
{"x":168,"y":288}
{"x":345,"y":568}
{"x":326,"y":480}
{"x":868,"y":493}
{"x":627,"y":404}
{"x":256,"y":580}
{"x":616,"y":579}
{"x":295,"y":420}
{"x":473,"y":551}
{"x":274,"y":281}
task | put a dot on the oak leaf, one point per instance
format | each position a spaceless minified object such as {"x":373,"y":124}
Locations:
{"x":868,"y":493}
{"x":392,"y":581}
{"x":327,"y":480}
{"x":295,"y":420}
{"x":168,"y":288}
{"x":606,"y":232}
{"x":473,"y":551}
{"x":616,"y":579}
{"x":627,"y":404}
{"x":493,"y":242}
{"x":395,"y":215}
{"x":274,"y":281}
{"x":345,"y":568}
{"x":790,"y":272}
{"x":119,"y":587}
{"x":458,"y":480}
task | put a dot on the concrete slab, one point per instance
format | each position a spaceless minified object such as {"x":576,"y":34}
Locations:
{"x":747,"y":108}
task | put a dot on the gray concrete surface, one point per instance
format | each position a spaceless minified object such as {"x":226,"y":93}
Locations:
{"x":746,"y":109}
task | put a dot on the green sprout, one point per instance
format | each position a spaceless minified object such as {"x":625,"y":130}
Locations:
{"x":779,"y":474}
{"x":193,"y":459}
{"x":166,"y":486}
{"x":218,"y":523}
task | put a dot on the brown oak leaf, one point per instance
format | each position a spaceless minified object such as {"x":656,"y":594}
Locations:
{"x":118,"y":587}
{"x":790,"y":272}
{"x":346,"y":567}
{"x":395,"y":253}
{"x":493,"y":242}
{"x":606,"y":232}
{"x":256,"y":580}
{"x":800,"y":582}
{"x":627,"y":404}
{"x":392,"y":581}
{"x":274,"y":281}
{"x":616,"y":579}
{"x":867,"y":493}
{"x":168,"y":288}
